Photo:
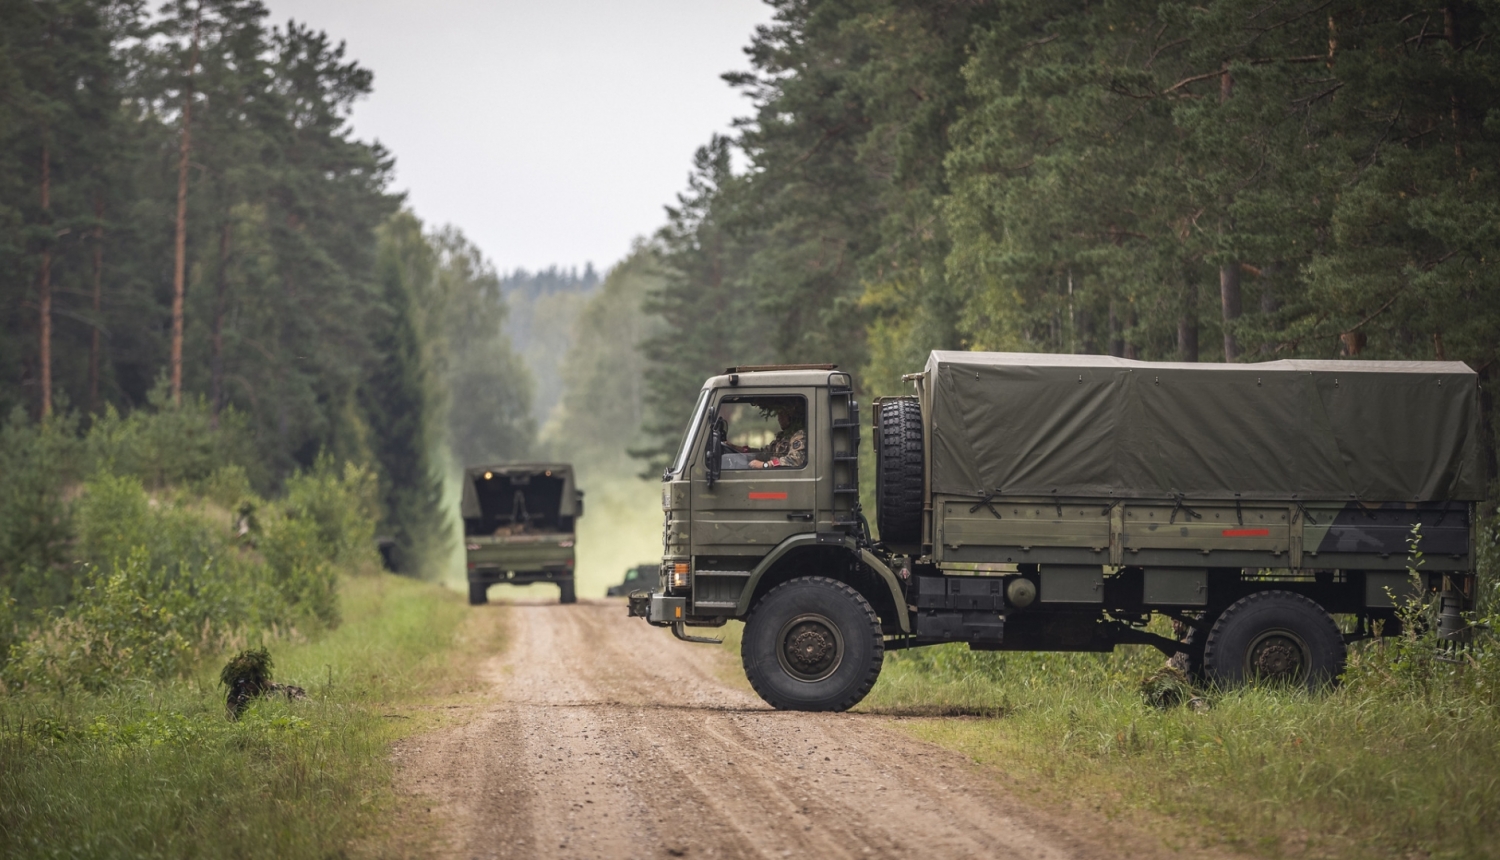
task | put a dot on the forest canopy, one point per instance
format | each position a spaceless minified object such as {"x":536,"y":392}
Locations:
{"x":185,"y":214}
{"x":1239,"y":180}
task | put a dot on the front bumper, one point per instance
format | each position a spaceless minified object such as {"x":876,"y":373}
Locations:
{"x":663,"y":611}
{"x":658,"y":609}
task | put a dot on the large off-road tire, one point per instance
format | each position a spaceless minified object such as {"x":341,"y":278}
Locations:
{"x":569,"y":593}
{"x":1277,"y":637}
{"x":812,"y":644}
{"x":898,"y":473}
{"x":479,"y":593}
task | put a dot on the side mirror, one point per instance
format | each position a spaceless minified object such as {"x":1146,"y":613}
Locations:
{"x":714,"y":452}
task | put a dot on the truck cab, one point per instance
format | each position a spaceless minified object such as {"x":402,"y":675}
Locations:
{"x":741,"y":522}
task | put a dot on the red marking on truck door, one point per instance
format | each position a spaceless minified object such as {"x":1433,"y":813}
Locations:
{"x":1247,"y":533}
{"x":757,"y":497}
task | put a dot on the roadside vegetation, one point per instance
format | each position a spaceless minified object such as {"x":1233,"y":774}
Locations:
{"x":136,"y":559}
{"x":154,"y":769}
{"x":1398,"y":761}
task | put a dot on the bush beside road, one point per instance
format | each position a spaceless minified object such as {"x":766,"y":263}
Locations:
{"x":155,"y":769}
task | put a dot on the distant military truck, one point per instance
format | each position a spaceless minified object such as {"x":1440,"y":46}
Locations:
{"x":1057,"y":502}
{"x":636,"y":578}
{"x":519,"y":526}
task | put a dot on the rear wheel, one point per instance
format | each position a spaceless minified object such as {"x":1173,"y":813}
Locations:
{"x":479,"y":593}
{"x":812,"y":644}
{"x":1277,"y":637}
{"x":568,"y":593}
{"x":898,"y":472}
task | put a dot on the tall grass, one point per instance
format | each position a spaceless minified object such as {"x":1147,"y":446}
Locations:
{"x":1351,"y":772}
{"x":154,"y":769}
{"x":1401,"y":760}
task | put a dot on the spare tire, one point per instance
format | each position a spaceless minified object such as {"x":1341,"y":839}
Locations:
{"x":899,"y":472}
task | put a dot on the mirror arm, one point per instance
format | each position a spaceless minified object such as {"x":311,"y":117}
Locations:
{"x":715,"y":454}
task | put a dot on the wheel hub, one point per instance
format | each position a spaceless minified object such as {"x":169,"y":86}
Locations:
{"x":1278,"y":655}
{"x":810,"y":647}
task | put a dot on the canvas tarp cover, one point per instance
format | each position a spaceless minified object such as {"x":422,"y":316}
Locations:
{"x":469,"y":504}
{"x":1072,"y":425}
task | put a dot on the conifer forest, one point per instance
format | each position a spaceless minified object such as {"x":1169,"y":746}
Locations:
{"x":241,"y":374}
{"x":1235,"y":181}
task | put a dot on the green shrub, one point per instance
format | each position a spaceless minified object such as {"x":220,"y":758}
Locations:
{"x":229,"y":487}
{"x":128,"y":623}
{"x":299,"y":566}
{"x":165,"y":585}
{"x":325,"y":522}
{"x":36,"y":465}
{"x":166,"y":445}
{"x":343,"y":504}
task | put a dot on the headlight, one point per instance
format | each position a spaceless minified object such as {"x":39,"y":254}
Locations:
{"x":679,"y":575}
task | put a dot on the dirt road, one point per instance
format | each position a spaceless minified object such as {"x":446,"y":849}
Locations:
{"x":603,"y":737}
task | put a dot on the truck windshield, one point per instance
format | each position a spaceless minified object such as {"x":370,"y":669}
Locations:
{"x":690,"y":436}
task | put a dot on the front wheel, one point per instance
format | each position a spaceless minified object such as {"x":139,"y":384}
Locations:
{"x":1277,"y":637}
{"x":812,"y":644}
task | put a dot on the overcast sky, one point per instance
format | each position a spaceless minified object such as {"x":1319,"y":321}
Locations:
{"x":549,"y":131}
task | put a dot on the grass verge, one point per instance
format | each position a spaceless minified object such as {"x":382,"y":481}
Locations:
{"x":156,"y":770}
{"x":1350,"y":773}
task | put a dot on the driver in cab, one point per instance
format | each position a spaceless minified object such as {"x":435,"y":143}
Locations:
{"x":787,"y":451}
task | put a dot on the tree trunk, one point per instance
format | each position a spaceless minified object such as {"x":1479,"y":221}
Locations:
{"x":1187,"y":325}
{"x":98,"y":303}
{"x":1269,"y":304}
{"x":1450,"y":32}
{"x":179,"y":269}
{"x":1116,"y":332}
{"x":44,"y":286}
{"x":1268,"y":301}
{"x":1229,"y":273}
{"x":1229,"y":298}
{"x":221,"y":303}
{"x":1084,"y":327}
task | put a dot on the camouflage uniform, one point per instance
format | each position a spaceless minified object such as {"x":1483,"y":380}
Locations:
{"x":788,"y":450}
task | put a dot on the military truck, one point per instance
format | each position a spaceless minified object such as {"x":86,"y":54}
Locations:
{"x":518,"y":526}
{"x":1059,"y":502}
{"x":636,"y":578}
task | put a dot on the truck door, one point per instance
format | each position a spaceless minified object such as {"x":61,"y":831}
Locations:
{"x":749,"y":510}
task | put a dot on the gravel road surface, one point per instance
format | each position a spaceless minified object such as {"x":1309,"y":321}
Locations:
{"x":602,"y":737}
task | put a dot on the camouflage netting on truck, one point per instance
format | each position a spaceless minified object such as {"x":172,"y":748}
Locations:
{"x":1023,"y":424}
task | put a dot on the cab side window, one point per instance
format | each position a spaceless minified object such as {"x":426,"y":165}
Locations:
{"x":764,"y":432}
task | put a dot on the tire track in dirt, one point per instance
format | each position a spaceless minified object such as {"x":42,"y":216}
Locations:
{"x":603,"y":737}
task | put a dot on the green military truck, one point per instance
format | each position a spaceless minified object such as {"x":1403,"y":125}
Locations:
{"x":636,"y":578}
{"x":519,"y":523}
{"x":1058,"y":502}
